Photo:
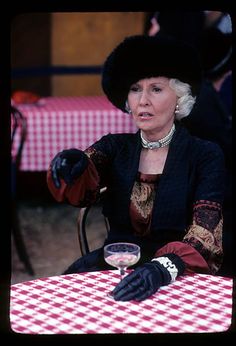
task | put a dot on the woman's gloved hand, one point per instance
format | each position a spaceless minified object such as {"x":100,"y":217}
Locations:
{"x":148,"y":278}
{"x":68,"y":164}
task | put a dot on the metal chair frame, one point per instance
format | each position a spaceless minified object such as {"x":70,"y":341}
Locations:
{"x":82,"y":225}
{"x":19,"y":121}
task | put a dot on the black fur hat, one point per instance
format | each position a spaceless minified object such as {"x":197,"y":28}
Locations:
{"x":141,"y":56}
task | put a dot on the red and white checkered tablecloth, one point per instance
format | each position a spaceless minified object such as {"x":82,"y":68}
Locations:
{"x":57,"y":123}
{"x":78,"y":304}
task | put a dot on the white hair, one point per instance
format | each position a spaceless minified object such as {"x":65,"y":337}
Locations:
{"x":186,"y":100}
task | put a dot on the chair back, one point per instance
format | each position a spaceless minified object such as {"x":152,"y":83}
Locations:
{"x":19,"y":128}
{"x":85,"y":224}
{"x":18,"y":137}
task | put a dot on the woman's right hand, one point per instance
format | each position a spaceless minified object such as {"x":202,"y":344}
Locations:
{"x":69,"y":165}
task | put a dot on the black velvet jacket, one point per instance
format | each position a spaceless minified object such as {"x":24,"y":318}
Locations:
{"x":187,"y":210}
{"x":194,"y":171}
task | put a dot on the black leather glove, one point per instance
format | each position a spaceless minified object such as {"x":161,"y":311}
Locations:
{"x":148,"y":278}
{"x":68,"y":164}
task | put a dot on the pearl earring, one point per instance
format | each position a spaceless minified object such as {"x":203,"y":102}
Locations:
{"x":127,"y":107}
{"x":177,"y":109}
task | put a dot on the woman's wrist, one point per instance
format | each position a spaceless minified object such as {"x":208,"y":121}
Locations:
{"x":172,"y":263}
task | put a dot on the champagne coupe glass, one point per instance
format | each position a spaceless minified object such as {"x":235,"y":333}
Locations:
{"x":121,"y":255}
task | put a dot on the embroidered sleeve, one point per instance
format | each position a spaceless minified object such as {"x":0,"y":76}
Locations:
{"x":100,"y":161}
{"x":205,"y":233}
{"x":201,"y":248}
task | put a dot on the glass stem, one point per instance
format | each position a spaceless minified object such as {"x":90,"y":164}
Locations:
{"x":122,"y":273}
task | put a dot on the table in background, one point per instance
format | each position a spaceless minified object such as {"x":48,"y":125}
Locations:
{"x":57,"y":123}
{"x":77,"y":304}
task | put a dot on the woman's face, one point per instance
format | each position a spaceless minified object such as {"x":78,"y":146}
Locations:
{"x":152,"y":103}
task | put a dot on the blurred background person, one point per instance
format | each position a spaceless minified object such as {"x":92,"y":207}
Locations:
{"x":184,"y":25}
{"x":219,"y":20}
{"x":211,"y":118}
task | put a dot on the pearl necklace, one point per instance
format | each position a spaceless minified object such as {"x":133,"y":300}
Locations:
{"x":161,"y":142}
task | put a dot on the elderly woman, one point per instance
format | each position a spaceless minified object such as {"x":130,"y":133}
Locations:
{"x":165,"y":187}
